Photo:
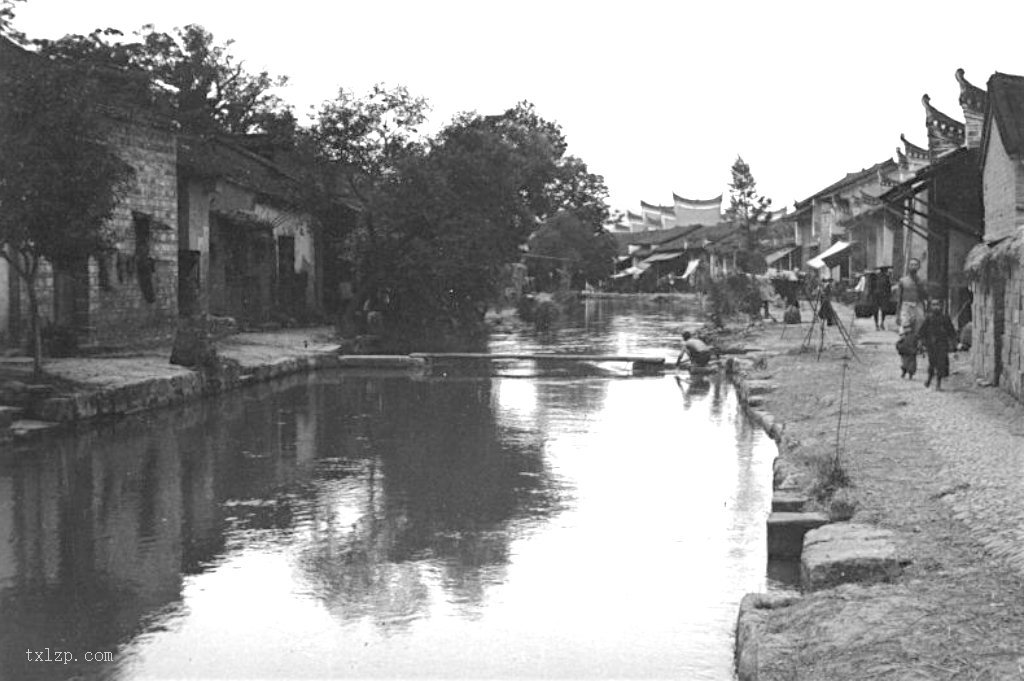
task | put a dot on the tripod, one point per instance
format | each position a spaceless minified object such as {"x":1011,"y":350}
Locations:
{"x":823,"y":315}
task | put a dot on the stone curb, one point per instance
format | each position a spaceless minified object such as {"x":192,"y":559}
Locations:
{"x":868,"y":554}
{"x":169,"y":391}
{"x":750,"y":621}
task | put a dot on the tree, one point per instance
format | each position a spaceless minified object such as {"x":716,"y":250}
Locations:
{"x":368,"y":135}
{"x":7,"y":29}
{"x":750,"y":211}
{"x":442,"y":215}
{"x":569,"y":244}
{"x":583,"y":193}
{"x":200,"y":82}
{"x":59,"y":183}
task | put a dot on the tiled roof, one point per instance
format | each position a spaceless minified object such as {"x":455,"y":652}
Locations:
{"x":214,"y":157}
{"x":698,"y":203}
{"x":1006,"y":99}
{"x":851,"y":178}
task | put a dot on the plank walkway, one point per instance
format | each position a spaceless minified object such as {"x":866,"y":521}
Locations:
{"x":634,"y":359}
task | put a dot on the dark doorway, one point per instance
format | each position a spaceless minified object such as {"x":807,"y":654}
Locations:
{"x":189,"y":283}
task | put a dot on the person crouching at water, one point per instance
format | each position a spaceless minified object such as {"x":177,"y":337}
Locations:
{"x":938,"y":337}
{"x":696,"y":349}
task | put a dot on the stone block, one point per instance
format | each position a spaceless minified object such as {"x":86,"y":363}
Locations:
{"x":750,"y":624}
{"x":59,"y":409}
{"x":786,"y":532}
{"x":789,"y":502}
{"x":9,"y":415}
{"x":847,"y":552}
{"x":756,"y":387}
{"x":85,"y":405}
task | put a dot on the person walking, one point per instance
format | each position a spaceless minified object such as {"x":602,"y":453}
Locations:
{"x":912,"y":297}
{"x":938,"y":337}
{"x":881,"y":296}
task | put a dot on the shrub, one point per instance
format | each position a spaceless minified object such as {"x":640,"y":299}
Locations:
{"x":733,"y":295}
{"x":829,"y":476}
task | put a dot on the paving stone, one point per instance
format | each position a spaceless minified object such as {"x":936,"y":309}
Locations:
{"x":847,"y":552}
{"x":786,"y":531}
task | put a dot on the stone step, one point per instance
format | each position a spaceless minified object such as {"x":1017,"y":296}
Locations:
{"x":30,"y":427}
{"x":9,"y":415}
{"x":847,"y":552}
{"x":786,"y":531}
{"x":790,"y":502}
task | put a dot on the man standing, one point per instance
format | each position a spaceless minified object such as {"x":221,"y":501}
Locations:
{"x":911,"y":297}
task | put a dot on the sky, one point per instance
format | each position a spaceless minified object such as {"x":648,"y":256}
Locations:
{"x":658,"y":97}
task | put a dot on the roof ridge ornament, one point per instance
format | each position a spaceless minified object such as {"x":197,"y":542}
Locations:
{"x":971,"y":96}
{"x":944,"y":133}
{"x":913,"y":151}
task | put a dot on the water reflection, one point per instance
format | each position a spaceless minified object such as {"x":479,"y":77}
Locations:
{"x":345,"y":526}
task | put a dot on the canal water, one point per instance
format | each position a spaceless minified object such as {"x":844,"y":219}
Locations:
{"x":530,"y":523}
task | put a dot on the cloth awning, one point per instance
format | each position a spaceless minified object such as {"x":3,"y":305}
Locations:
{"x":827,"y":257}
{"x":691,"y":267}
{"x":632,"y":271}
{"x":779,"y":254}
{"x":661,"y":257}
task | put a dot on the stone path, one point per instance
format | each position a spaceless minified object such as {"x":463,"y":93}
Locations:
{"x":945,"y":472}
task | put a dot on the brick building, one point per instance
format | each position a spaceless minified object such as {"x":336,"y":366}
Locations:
{"x":247,"y":250}
{"x":996,"y":267}
{"x":129,"y":295}
{"x":842,"y":211}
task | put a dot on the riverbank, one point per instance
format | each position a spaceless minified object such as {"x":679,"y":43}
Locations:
{"x":78,"y":389}
{"x":940,"y":470}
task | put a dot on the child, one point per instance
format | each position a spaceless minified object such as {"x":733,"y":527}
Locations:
{"x":906,"y":346}
{"x":938,"y":337}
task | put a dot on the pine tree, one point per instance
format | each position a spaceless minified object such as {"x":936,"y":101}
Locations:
{"x":748,"y":209}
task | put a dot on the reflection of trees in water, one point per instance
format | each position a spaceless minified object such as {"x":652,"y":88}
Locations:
{"x":441,"y":490}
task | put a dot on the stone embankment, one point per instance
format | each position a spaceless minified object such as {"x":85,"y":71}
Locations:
{"x":79,"y":389}
{"x":911,"y":551}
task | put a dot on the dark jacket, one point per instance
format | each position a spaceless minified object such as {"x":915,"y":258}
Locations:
{"x":937,"y":333}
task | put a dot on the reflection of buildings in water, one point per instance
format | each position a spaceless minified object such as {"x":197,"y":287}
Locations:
{"x":95,"y":539}
{"x":97,"y":531}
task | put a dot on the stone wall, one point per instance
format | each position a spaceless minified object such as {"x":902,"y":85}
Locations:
{"x":1012,"y":378}
{"x":986,"y":343}
{"x":118,"y":309}
{"x":997,"y":350}
{"x":108,"y":306}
